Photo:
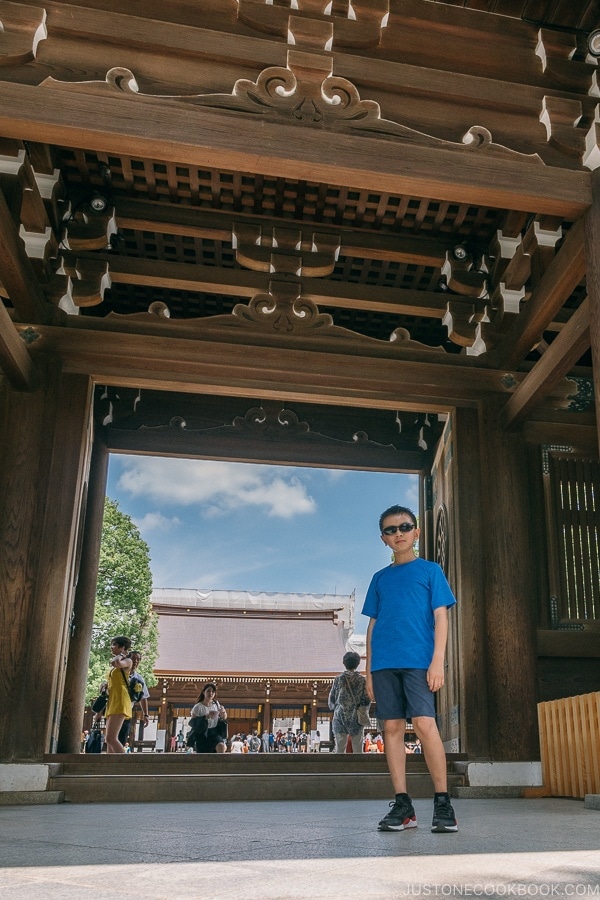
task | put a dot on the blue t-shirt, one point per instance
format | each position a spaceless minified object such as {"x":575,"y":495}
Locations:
{"x":402,"y":600}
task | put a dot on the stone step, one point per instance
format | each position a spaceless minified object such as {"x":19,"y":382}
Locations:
{"x":30,"y":798}
{"x":156,"y":777}
{"x":202,"y":764}
{"x":303,"y":785}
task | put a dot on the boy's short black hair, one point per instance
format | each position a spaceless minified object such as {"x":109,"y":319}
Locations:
{"x":397,"y":511}
{"x":351,"y":659}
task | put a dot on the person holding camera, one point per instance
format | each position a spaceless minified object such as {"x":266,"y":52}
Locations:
{"x":118,"y":707}
{"x":211,"y":736}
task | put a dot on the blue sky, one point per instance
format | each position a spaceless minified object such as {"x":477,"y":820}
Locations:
{"x":238,"y":526}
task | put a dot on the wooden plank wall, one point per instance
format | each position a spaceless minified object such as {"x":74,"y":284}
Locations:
{"x":570,"y":745}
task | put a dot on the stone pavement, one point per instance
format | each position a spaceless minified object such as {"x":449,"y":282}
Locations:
{"x":319,"y":849}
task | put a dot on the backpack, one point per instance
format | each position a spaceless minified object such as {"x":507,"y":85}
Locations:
{"x":198,"y":726}
{"x":93,"y":743}
{"x":135,"y":688}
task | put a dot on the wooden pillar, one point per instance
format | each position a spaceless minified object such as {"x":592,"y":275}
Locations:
{"x":83,"y":608}
{"x":592,"y":253}
{"x":510,"y":591}
{"x":467,"y":538}
{"x":267,"y":715}
{"x":313,"y":715}
{"x":44,"y":445}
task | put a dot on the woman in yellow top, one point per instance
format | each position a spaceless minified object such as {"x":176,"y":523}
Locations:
{"x":118,"y":707}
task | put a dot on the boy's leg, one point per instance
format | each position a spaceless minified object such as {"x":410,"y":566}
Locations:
{"x":444,"y":819}
{"x":402,"y":813}
{"x":395,"y":752}
{"x":433,"y":750}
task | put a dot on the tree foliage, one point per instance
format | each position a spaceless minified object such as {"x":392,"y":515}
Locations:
{"x":122,"y":597}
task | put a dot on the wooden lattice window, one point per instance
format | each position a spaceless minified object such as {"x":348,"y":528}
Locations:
{"x":572,"y":487}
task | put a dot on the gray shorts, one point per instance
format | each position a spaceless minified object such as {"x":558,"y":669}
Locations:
{"x":402,"y":693}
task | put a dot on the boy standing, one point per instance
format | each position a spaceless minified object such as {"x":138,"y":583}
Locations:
{"x":407,"y":603}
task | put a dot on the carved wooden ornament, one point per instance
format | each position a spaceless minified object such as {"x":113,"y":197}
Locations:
{"x":307,"y":93}
{"x":21,"y":30}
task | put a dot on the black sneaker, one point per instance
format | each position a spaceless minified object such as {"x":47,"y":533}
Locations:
{"x":443,"y":816}
{"x":401,"y":815}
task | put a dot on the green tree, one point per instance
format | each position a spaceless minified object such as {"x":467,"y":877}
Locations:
{"x":122,"y":597}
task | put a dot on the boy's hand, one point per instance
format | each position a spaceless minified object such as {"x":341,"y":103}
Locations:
{"x":435,"y":676}
{"x":369,"y":686}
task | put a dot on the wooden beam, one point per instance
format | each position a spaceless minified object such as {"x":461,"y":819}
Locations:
{"x":176,"y":132}
{"x":244,"y":284}
{"x":16,"y":272}
{"x":558,"y":282}
{"x":163,"y":218}
{"x":15,"y":361}
{"x":583,"y":438}
{"x":367,"y":456}
{"x":564,"y":352}
{"x":290,"y":373}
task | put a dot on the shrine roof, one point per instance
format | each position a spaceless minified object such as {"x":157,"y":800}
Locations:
{"x":210,"y":642}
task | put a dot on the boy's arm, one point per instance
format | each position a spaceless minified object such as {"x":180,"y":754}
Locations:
{"x":435,"y":672}
{"x":368,"y":677}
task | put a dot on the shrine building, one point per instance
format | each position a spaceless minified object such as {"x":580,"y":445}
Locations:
{"x":357,"y":234}
{"x":272,"y":656}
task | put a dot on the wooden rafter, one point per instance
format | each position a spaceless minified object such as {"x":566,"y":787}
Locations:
{"x":564,"y":352}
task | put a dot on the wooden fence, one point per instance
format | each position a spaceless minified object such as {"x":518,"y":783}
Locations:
{"x":570,"y":745}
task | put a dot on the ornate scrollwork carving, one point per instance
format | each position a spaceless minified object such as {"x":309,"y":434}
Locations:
{"x":271,"y":422}
{"x":283,"y":311}
{"x":402,"y":336}
{"x":306,"y":92}
{"x":21,"y":30}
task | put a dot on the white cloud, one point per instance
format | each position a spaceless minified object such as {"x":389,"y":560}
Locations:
{"x":217,"y":487}
{"x":155,"y":521}
{"x":412,"y":491}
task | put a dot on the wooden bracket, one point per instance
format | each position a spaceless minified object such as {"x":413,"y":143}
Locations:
{"x":88,"y":280}
{"x":561,"y":116}
{"x":283,"y":251}
{"x":462,"y":277}
{"x":556,"y":51}
{"x":313,"y":24}
{"x":532,"y":256}
{"x":591,"y":156}
{"x":89,"y":230}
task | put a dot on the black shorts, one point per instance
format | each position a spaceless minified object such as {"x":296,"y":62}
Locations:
{"x":207,"y":743}
{"x":402,"y":693}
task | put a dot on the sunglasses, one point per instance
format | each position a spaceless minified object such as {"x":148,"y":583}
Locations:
{"x":404,"y":527}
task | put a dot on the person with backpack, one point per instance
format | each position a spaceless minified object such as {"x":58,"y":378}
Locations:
{"x":138,"y":692}
{"x":118,"y":708}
